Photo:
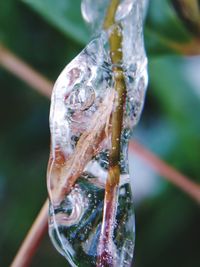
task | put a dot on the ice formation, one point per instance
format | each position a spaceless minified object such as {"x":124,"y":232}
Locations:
{"x":91,"y":216}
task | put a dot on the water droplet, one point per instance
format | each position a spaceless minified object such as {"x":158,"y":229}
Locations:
{"x":124,"y":9}
{"x":81,"y":97}
{"x":93,"y":13}
{"x":88,"y":13}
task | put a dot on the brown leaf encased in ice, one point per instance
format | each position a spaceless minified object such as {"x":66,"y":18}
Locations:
{"x":62,"y":174}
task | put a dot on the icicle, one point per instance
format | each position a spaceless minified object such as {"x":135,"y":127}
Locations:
{"x":96,"y":101}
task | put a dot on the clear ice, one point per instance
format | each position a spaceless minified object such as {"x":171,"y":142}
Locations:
{"x":91,"y":220}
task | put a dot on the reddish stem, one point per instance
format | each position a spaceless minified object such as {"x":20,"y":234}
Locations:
{"x":31,"y":242}
{"x":171,"y":174}
{"x":106,"y":246}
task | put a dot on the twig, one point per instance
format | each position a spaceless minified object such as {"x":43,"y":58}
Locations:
{"x":31,"y":242}
{"x":171,"y":174}
{"x":24,"y":72}
{"x":191,"y":48}
{"x":105,"y":246}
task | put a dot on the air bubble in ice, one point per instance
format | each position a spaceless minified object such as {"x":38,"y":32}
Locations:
{"x":81,"y":97}
{"x":93,"y":11}
{"x":124,"y":9}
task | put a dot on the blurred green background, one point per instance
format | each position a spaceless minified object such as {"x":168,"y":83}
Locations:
{"x":47,"y":34}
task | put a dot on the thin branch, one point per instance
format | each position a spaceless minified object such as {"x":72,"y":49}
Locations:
{"x":171,"y":174}
{"x":105,"y":246}
{"x":190,"y":48}
{"x":31,"y":242}
{"x":24,"y":72}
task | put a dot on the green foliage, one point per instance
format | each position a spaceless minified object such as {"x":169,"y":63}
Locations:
{"x":64,"y":15}
{"x":48,"y":34}
{"x":161,"y":19}
{"x":67,"y":19}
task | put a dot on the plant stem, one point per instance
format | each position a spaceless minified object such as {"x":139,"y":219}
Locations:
{"x":24,"y":72}
{"x":106,"y":247}
{"x":31,"y":242}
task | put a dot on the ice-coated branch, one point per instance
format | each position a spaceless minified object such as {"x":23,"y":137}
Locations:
{"x":105,"y":248}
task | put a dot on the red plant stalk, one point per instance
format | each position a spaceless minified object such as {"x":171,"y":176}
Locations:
{"x":24,"y":72}
{"x":165,"y":170}
{"x":31,"y":242}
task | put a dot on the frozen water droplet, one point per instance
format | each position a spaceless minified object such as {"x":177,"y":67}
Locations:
{"x":93,"y":12}
{"x":81,"y":97}
{"x":124,"y":9}
{"x":88,"y":13}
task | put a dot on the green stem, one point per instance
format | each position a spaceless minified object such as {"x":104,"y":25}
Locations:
{"x":115,"y":42}
{"x":105,"y":248}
